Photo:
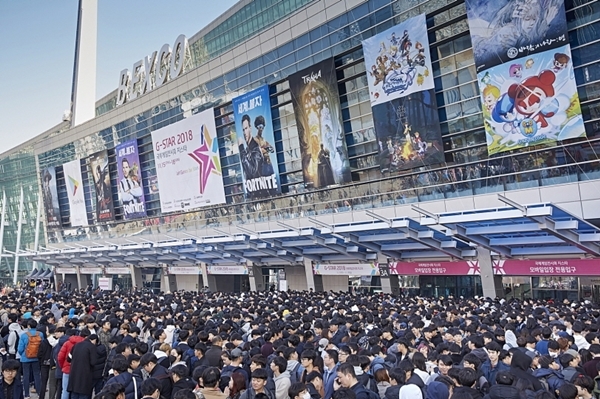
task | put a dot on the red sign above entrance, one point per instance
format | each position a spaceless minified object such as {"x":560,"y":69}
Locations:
{"x":460,"y":268}
{"x":546,"y":267}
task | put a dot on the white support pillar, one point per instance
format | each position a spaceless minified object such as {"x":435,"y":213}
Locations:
{"x":2,"y":224}
{"x":204,"y":276}
{"x":252,"y":276}
{"x":79,"y":282}
{"x":36,"y":241}
{"x":19,"y":229}
{"x":490,"y":284}
{"x":308,"y":272}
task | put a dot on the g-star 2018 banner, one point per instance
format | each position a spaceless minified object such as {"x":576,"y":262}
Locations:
{"x":188,"y":167}
{"x":402,"y":94}
{"x":398,"y":61}
{"x":50,"y":197}
{"x":256,"y":143}
{"x":131,"y":189}
{"x":74,"y":183}
{"x":104,"y":202}
{"x":525,"y":73}
{"x":320,"y":130}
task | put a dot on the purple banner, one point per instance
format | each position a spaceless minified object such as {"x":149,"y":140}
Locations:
{"x":131,"y":190}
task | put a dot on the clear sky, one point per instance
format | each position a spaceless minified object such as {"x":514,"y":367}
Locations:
{"x":37,"y":42}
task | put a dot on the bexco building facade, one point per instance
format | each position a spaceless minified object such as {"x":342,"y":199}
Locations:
{"x":432,"y":147}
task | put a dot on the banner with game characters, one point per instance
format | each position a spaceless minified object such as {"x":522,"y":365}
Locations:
{"x":525,"y":73}
{"x":320,"y":130}
{"x":188,"y":167}
{"x":50,"y":197}
{"x":402,"y":97}
{"x":104,"y":202}
{"x":256,"y":143}
{"x":130,"y":186}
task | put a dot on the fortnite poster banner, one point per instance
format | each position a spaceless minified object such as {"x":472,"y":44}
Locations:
{"x":188,"y":167}
{"x":50,"y":197}
{"x":74,"y":183}
{"x":104,"y":203}
{"x":320,"y":130}
{"x":131,"y":189}
{"x":525,"y":73}
{"x":402,"y":97}
{"x":256,"y":142}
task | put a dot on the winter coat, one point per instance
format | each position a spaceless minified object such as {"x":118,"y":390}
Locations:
{"x":392,"y":392}
{"x":23,"y":341}
{"x":126,"y":380}
{"x":437,"y":390}
{"x":490,"y":372}
{"x":184,"y":383}
{"x":553,"y":378}
{"x":45,"y":354}
{"x":58,"y":371}
{"x":500,"y":391}
{"x":63,"y":354}
{"x":81,"y":376}
{"x":101,"y":357}
{"x":14,"y":332}
{"x":161,"y":374}
{"x":519,"y":367}
{"x":250,"y":393}
{"x":282,"y":385}
{"x":17,"y":388}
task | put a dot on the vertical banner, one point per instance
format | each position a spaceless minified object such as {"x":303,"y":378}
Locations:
{"x":256,"y":142}
{"x":131,"y":190}
{"x":320,"y":130}
{"x":74,"y":183}
{"x":50,"y":197}
{"x":525,"y":74}
{"x":105,"y":210}
{"x":402,"y":97}
{"x":188,"y":167}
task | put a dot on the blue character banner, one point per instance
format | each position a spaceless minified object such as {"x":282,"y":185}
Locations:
{"x":256,"y":143}
{"x":398,"y":61}
{"x":504,"y":30}
{"x":531,"y":101}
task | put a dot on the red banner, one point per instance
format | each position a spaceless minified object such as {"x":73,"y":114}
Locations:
{"x":545,"y":267}
{"x":461,"y":268}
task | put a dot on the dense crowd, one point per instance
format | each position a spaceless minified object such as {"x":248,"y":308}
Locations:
{"x":295,"y":345}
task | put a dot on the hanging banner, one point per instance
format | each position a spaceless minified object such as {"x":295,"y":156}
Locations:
{"x":231,"y":270}
{"x":365,"y":269}
{"x":105,"y":210}
{"x":118,"y":270}
{"x":460,"y":268}
{"x":50,"y":197}
{"x":131,"y":190}
{"x":188,"y":167}
{"x":525,"y":73}
{"x":74,"y":183}
{"x":191,"y":270}
{"x":402,"y":96}
{"x":256,"y":143}
{"x":320,"y":130}
{"x":547,"y":267}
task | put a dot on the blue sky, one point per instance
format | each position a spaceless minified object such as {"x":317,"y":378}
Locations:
{"x":37,"y":40}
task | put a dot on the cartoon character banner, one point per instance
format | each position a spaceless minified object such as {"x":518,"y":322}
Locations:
{"x":530,"y":101}
{"x":131,"y":189}
{"x":320,"y":130}
{"x":256,"y":143}
{"x":50,"y":197}
{"x":503,"y":30}
{"x":188,"y":167}
{"x":398,"y":61}
{"x":104,"y":203}
{"x":74,"y":183}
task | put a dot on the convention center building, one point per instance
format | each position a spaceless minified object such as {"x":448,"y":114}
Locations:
{"x":432,"y":147}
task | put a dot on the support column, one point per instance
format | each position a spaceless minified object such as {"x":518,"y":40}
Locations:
{"x":491,"y":285}
{"x":18,"y":246}
{"x":136,"y":277}
{"x":384,"y":272}
{"x":205,"y":281}
{"x":257,"y":282}
{"x":37,"y":227}
{"x":79,"y":282}
{"x":308,"y":272}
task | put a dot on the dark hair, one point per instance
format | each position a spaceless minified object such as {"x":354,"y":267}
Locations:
{"x":280,"y":363}
{"x":584,"y":382}
{"x":120,"y":364}
{"x":473,"y":359}
{"x":185,"y":394}
{"x":239,"y":383}
{"x":312,"y":375}
{"x":504,"y":377}
{"x":180,"y":370}
{"x":150,"y":386}
{"x":11,"y":364}
{"x":446,"y":360}
{"x":295,"y":389}
{"x":260,"y":374}
{"x":31,"y":323}
{"x":211,"y":377}
{"x":261,"y":360}
{"x":343,"y":393}
{"x":346,"y":369}
{"x":567,"y":391}
{"x":110,"y":391}
{"x":467,"y":377}
{"x":333,"y":354}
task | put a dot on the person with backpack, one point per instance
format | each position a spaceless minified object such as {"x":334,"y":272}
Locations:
{"x":14,"y":333}
{"x":29,"y":346}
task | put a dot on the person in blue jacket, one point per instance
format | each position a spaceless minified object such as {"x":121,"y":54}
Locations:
{"x":30,"y":364}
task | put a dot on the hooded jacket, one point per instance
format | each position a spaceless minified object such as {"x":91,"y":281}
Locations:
{"x":519,"y":367}
{"x":553,"y":378}
{"x":64,"y":353}
{"x":437,"y":390}
{"x":127,"y":380}
{"x":499,"y":391}
{"x":410,"y":391}
{"x":282,"y":385}
{"x":14,"y":332}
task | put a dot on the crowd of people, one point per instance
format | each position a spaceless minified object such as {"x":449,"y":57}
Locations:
{"x":295,"y":345}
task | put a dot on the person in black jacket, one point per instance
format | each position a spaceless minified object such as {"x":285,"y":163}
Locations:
{"x":46,"y":361}
{"x":101,"y":356}
{"x":179,"y":374}
{"x":520,"y":367}
{"x":10,"y":383}
{"x":131,"y":382}
{"x":149,"y":363}
{"x":81,"y":377}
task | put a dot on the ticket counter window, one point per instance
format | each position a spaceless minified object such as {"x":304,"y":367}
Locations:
{"x":557,"y":288}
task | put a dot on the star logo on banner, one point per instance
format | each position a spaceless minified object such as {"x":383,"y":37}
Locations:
{"x":74,"y":185}
{"x":498,"y":266}
{"x":207,"y":157}
{"x":474,"y":268}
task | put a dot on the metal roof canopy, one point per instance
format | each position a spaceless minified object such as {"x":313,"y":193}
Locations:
{"x":514,"y":230}
{"x":521,"y":230}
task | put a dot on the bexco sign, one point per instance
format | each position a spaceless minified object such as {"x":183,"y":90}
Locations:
{"x":168,"y":65}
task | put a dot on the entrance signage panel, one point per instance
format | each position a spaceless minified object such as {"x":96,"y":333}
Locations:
{"x":461,"y":268}
{"x":547,"y":267}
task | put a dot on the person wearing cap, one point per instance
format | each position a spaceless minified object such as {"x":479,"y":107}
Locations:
{"x":149,"y":363}
{"x":83,"y":361}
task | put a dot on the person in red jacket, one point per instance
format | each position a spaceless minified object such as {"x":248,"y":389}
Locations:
{"x":64,"y":361}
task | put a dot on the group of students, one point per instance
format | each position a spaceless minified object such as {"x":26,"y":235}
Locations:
{"x":295,"y":345}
